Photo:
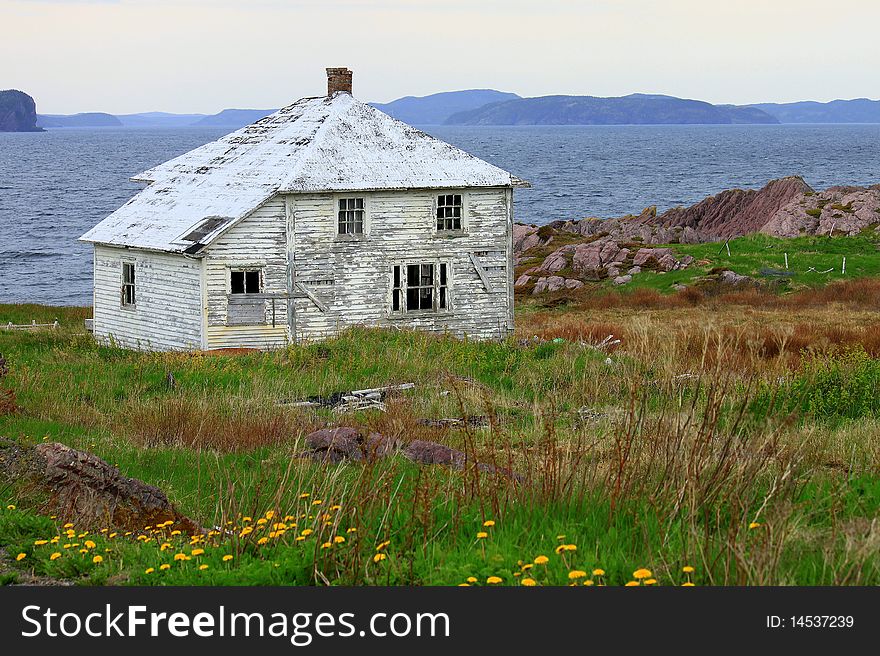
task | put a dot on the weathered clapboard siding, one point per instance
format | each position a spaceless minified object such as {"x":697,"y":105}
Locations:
{"x":167,"y":311}
{"x":259,"y":241}
{"x":351,"y":278}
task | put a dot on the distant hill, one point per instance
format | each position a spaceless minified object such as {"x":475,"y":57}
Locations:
{"x":158,"y":120}
{"x":18,"y":112}
{"x":236,"y":118}
{"x":860,"y":110}
{"x":84,"y":120}
{"x":437,"y":108}
{"x":635,"y":109}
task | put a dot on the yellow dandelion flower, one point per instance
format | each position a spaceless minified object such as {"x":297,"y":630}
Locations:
{"x":55,"y":540}
{"x":382,"y":545}
{"x":631,"y":584}
{"x":203,"y":567}
{"x":300,"y":538}
{"x":351,"y":530}
{"x":149,"y":570}
{"x":541,"y":560}
{"x":492,"y":580}
{"x":379,"y":557}
{"x":571,"y":547}
{"x":164,"y":566}
{"x":482,"y":535}
{"x":227,"y":558}
{"x":247,"y":519}
{"x":642,"y":573}
{"x":560,"y":548}
{"x":289,"y":518}
{"x":181,"y":556}
{"x":39,"y":543}
{"x":84,"y":551}
{"x":687,"y":585}
{"x":560,"y":537}
{"x":164,"y":546}
{"x":270,"y":514}
{"x":306,"y":532}
{"x":471,"y":579}
{"x":114,"y":534}
{"x":263,"y":540}
{"x":317,"y":502}
{"x":55,"y":556}
{"x":21,"y":556}
{"x":588,"y":582}
{"x":687,"y":569}
{"x":197,"y":552}
{"x":464,"y":585}
{"x":89,"y":544}
{"x":754,"y":525}
{"x":174,"y":532}
{"x":68,"y":525}
{"x":336,"y":507}
{"x":527,"y":566}
{"x":489,"y":523}
{"x":10,"y":507}
{"x":576,"y":574}
{"x":304,"y":495}
{"x":339,"y":539}
{"x":598,"y":572}
{"x":261,"y":521}
{"x":529,"y":583}
{"x":326,"y":545}
{"x":98,"y":559}
{"x":650,"y":581}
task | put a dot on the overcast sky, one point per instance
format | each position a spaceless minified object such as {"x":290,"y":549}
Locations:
{"x":205,"y":55}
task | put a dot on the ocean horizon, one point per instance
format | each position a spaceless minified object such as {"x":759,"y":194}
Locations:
{"x":57,"y":184}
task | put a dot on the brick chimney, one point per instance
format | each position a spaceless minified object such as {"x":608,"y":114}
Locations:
{"x":338,"y":79}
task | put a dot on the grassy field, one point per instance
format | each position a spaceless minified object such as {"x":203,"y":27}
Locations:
{"x":733,"y":434}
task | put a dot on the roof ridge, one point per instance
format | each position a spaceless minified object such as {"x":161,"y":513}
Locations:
{"x":306,"y":153}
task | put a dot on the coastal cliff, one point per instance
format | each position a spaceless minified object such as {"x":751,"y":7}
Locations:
{"x":18,"y":112}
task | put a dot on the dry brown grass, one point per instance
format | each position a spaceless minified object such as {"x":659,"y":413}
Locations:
{"x":202,"y":424}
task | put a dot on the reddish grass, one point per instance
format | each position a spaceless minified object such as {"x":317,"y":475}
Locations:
{"x":202,"y":425}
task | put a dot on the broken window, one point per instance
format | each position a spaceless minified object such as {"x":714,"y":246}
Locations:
{"x":128,"y":284}
{"x":420,"y":287}
{"x":351,"y":216}
{"x":245,"y":281}
{"x":449,"y":212}
{"x":205,"y":228}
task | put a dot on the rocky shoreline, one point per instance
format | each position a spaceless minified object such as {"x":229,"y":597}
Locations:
{"x":593,"y":249}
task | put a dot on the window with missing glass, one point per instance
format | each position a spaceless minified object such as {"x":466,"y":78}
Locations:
{"x":245,"y":281}
{"x":350,"y":216}
{"x":449,"y":212}
{"x":128,"y":292}
{"x":420,"y":287}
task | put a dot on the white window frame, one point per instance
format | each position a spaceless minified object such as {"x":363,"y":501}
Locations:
{"x":245,"y":269}
{"x":403,"y":311}
{"x":124,"y":285}
{"x":366,"y":220}
{"x":465,"y":218}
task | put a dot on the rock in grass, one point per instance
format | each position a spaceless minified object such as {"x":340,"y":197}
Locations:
{"x":82,"y":488}
{"x":343,"y":443}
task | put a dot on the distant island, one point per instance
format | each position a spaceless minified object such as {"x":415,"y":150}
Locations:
{"x":83,"y":120}
{"x":18,"y":112}
{"x":635,"y":109}
{"x":488,"y":107}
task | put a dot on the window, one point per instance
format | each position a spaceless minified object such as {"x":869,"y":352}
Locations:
{"x":420,"y":287}
{"x":449,"y":212}
{"x":128,"y":284}
{"x":351,"y":216}
{"x":245,"y":281}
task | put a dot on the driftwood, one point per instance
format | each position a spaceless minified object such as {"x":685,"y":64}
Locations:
{"x":365,"y":399}
{"x":82,"y":488}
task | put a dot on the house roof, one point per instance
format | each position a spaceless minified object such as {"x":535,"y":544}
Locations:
{"x":326,"y":144}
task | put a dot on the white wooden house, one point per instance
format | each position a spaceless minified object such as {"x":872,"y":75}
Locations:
{"x":324,"y":215}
